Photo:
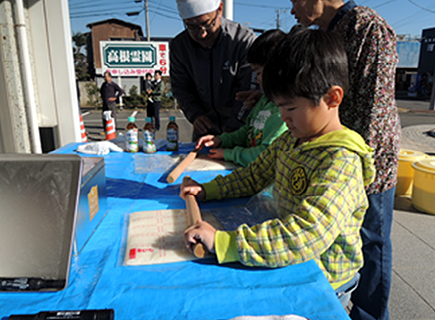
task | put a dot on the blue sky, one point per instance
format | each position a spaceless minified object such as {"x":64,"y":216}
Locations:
{"x":405,"y":16}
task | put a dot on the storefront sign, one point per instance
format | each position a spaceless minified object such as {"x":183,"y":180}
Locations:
{"x":134,"y":58}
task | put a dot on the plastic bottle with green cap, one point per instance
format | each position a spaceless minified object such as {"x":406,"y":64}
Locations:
{"x":149,"y":136}
{"x":172,"y":135}
{"x":131,"y":136}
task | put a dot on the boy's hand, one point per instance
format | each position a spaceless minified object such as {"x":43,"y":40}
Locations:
{"x":216,"y":153}
{"x":249,"y":98}
{"x":200,"y":232}
{"x":191,"y":187}
{"x":208,"y":141}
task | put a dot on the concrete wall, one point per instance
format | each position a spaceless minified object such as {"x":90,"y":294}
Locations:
{"x":52,"y":73}
{"x":14,"y":133}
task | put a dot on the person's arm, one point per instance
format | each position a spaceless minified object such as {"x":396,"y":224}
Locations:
{"x":367,"y":108}
{"x":240,"y":136}
{"x":242,"y":155}
{"x":118,"y":89}
{"x":249,"y":97}
{"x":235,"y":138}
{"x":183,"y":86}
{"x":334,"y":193}
{"x":246,"y":181}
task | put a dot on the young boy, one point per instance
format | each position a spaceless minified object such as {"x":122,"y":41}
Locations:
{"x":263,"y":125}
{"x":319,"y":170}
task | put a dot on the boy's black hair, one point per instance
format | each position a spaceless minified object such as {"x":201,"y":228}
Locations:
{"x":158,"y":72}
{"x":148,"y":74}
{"x":306,"y":63}
{"x":263,"y":46}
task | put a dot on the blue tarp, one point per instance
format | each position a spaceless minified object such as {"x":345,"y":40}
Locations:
{"x":199,"y":289}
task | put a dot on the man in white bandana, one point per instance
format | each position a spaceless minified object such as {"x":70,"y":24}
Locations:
{"x":208,"y":67}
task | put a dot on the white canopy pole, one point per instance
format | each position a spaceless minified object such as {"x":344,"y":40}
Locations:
{"x":228,"y":9}
{"x":27,"y":75}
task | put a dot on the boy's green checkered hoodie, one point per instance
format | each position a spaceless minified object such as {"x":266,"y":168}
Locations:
{"x":319,"y":193}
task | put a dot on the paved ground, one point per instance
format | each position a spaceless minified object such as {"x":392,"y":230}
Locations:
{"x":413,"y":289}
{"x":413,"y":234}
{"x":94,"y":126}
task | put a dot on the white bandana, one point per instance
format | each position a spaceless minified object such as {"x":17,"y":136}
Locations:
{"x":194,"y":8}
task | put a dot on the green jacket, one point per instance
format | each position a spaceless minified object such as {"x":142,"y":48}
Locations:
{"x":263,"y":126}
{"x":159,"y":88}
{"x":321,"y":202}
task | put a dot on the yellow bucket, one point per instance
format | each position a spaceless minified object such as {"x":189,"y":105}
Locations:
{"x":423,"y":192}
{"x":405,"y":174}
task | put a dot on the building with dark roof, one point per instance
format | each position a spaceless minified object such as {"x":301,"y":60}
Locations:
{"x":108,"y":30}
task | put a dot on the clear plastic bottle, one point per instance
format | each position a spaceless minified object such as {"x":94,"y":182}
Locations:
{"x":131,"y":136}
{"x":172,"y":135}
{"x":149,"y":136}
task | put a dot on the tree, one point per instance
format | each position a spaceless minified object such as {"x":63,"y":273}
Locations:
{"x":80,"y":61}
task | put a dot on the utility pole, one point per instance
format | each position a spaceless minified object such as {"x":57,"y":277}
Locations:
{"x":278,"y":20}
{"x":147,"y":20}
{"x":278,"y":17}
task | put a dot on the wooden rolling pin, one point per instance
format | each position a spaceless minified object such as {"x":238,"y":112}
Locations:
{"x":182,"y":166}
{"x":194,"y":216}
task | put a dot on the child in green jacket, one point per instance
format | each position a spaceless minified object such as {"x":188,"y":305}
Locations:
{"x":263,"y":125}
{"x":318,"y":169}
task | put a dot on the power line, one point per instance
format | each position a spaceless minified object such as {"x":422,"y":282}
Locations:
{"x":421,"y":7}
{"x":70,"y":2}
{"x":87,"y":4}
{"x":164,"y":15}
{"x":166,"y":7}
{"x":117,"y":13}
{"x":102,"y":11}
{"x":258,"y":5}
{"x":158,"y":7}
{"x":409,"y":21}
{"x":383,"y":4}
{"x":95,"y":15}
{"x":113,"y":6}
{"x":410,"y":18}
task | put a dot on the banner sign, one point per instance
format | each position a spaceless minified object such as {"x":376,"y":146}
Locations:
{"x":134,"y":58}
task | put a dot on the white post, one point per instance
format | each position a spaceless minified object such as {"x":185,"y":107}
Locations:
{"x":147,"y":20}
{"x":228,"y":9}
{"x":27,"y":73}
{"x":120,"y":98}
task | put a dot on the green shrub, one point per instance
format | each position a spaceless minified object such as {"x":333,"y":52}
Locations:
{"x":134,"y":99}
{"x":93,"y":93}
